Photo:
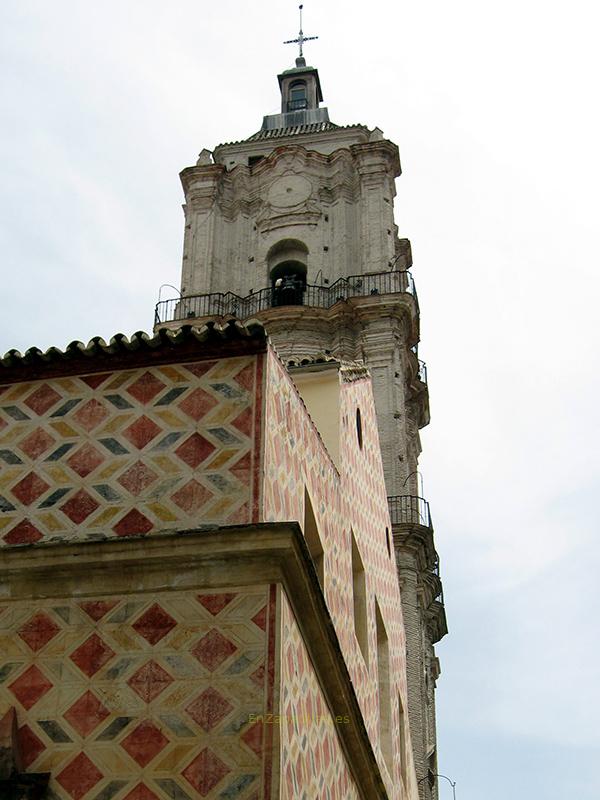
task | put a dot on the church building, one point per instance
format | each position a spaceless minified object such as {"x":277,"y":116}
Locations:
{"x":218,"y":578}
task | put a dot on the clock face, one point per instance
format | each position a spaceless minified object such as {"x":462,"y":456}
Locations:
{"x":288,"y":191}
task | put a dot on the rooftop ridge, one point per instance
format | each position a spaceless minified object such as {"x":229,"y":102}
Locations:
{"x":294,"y":130}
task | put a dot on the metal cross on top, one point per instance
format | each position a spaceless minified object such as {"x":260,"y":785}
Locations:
{"x":301,"y":37}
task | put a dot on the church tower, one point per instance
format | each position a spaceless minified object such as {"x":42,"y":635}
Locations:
{"x":294,"y":226}
{"x":217,"y":577}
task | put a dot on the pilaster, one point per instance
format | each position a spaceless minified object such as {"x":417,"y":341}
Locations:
{"x":200,"y":185}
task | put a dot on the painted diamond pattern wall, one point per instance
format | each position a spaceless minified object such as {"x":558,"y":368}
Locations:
{"x":312,"y":761}
{"x":352,"y":499}
{"x":130,"y":452}
{"x":144,"y":698}
{"x":137,"y":698}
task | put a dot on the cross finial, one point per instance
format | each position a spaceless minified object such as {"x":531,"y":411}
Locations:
{"x":301,"y":37}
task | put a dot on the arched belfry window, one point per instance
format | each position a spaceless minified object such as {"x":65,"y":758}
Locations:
{"x":297,"y":96}
{"x":287,"y":262}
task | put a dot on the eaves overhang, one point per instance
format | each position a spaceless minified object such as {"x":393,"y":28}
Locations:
{"x":183,"y":343}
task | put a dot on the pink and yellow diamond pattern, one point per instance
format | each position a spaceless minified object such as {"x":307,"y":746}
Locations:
{"x":134,"y":698}
{"x":130,"y":452}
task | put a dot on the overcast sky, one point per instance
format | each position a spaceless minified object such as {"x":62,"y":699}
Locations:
{"x":495,"y":110}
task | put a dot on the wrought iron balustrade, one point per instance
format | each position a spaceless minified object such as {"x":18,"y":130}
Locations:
{"x":439,"y":598}
{"x":409,"y":509}
{"x":228,"y":303}
{"x":421,"y":366}
{"x":297,"y":105}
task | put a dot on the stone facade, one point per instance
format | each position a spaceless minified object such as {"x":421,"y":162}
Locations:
{"x":234,"y":217}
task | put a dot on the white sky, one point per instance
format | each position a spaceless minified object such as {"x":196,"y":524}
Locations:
{"x":495,"y":110}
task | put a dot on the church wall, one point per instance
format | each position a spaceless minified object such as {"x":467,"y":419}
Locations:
{"x":353,"y":499}
{"x":149,"y":695}
{"x":313,"y":763}
{"x":168,"y":449}
{"x":320,"y":392}
{"x":130,"y":452}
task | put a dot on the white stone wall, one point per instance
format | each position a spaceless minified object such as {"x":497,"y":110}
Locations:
{"x":340,"y":206}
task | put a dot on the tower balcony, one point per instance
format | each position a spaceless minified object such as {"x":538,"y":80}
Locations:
{"x":415,"y":551}
{"x":289,"y":293}
{"x":410,"y":510}
{"x":418,"y":391}
{"x":297,"y":105}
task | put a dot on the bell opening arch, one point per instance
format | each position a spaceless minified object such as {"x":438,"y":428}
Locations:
{"x":287,"y":265}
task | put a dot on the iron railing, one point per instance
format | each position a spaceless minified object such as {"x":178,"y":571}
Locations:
{"x":228,"y":303}
{"x":439,"y":598}
{"x":421,"y":366}
{"x":408,"y":509}
{"x":297,"y":105}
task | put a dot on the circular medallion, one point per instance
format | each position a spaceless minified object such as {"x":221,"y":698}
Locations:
{"x":288,"y":191}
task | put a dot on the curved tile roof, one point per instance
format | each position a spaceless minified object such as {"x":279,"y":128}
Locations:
{"x":81,"y":356}
{"x":276,"y":133}
{"x":296,"y":130}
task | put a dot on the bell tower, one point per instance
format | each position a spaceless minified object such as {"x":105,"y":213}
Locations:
{"x":294,"y":226}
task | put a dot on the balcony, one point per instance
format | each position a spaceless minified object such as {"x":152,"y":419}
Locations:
{"x":435,"y":613}
{"x":409,"y":510}
{"x":297,"y":105}
{"x":230,"y":304}
{"x":421,"y":372}
{"x":415,"y":551}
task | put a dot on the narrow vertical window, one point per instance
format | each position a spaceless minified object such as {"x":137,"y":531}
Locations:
{"x":313,"y":539}
{"x":298,"y":99}
{"x":383,"y":685}
{"x":359,"y":591}
{"x":359,"y":432}
{"x":402,"y":741}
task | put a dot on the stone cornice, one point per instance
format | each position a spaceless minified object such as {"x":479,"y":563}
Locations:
{"x":380,"y":156}
{"x":353,"y":311}
{"x":204,"y":174}
{"x":221,"y":557}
